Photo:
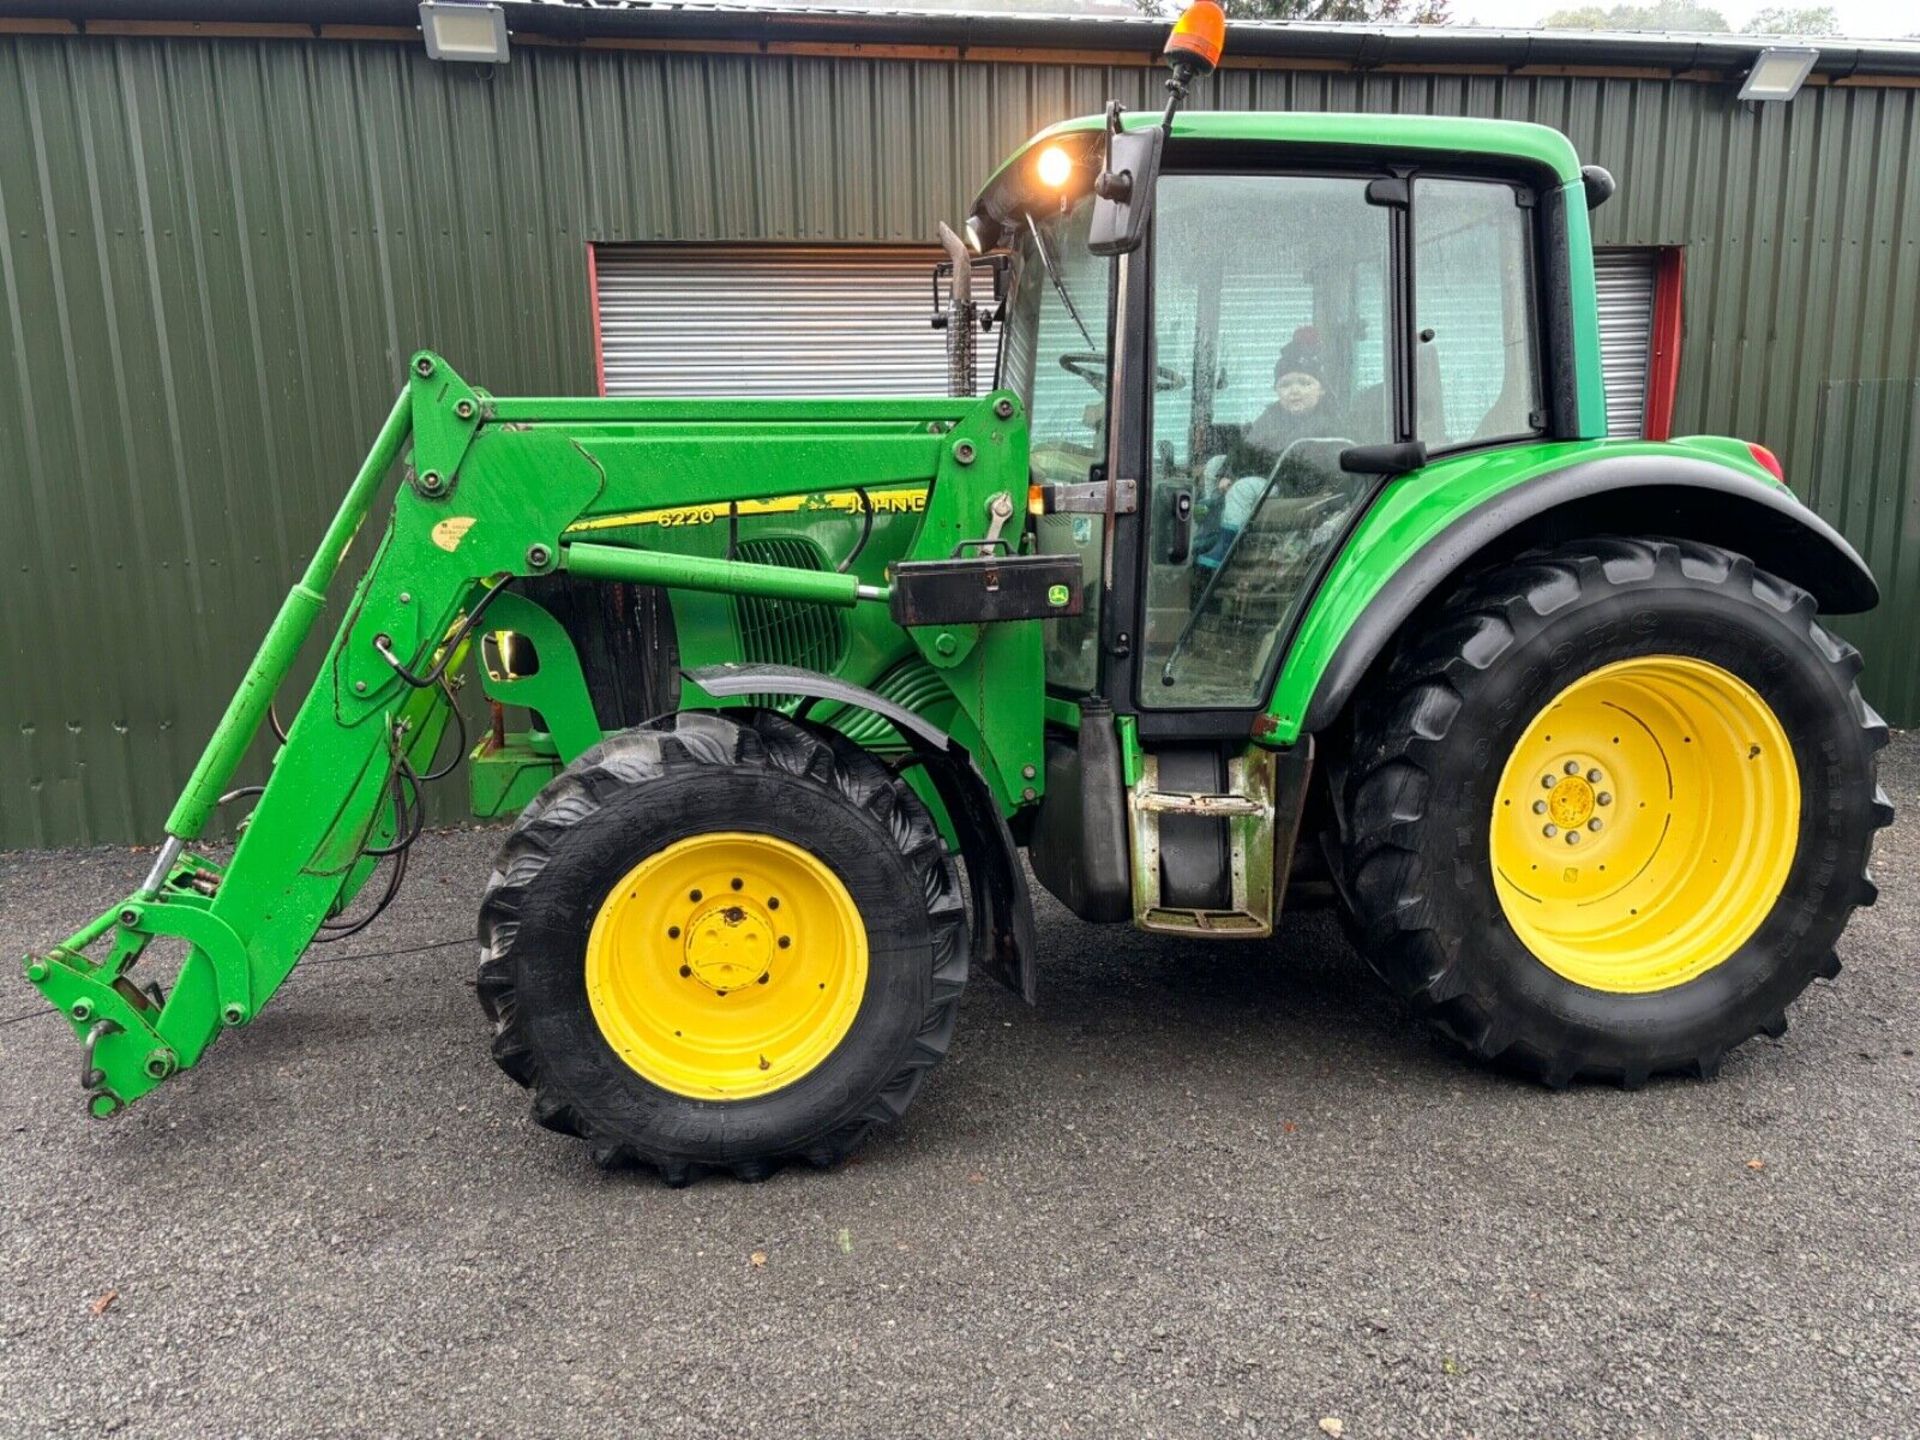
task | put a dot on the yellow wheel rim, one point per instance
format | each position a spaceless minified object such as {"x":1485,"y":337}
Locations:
{"x":727,"y":965}
{"x":1645,"y":824}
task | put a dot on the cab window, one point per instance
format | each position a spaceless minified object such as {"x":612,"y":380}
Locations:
{"x":1476,"y":370}
{"x":1056,"y":358}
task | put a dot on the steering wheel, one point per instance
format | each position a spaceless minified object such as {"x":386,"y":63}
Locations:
{"x":1092,"y":368}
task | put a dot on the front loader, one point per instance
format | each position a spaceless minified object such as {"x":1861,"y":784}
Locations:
{"x":1287,"y":557}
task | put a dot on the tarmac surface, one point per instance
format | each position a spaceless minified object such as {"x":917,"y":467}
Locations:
{"x":1199,"y":1191}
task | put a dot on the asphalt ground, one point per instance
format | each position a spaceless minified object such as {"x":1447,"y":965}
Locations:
{"x":1199,"y":1191}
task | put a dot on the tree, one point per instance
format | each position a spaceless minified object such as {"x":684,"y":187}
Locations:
{"x":1795,"y":20}
{"x":1390,"y":12}
{"x":1660,"y":15}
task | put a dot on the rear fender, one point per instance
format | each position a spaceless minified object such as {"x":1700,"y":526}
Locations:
{"x":1001,"y":918}
{"x":1648,"y":491}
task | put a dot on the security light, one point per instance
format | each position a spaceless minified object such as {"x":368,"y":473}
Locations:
{"x":1779,"y":73}
{"x":461,"y":30}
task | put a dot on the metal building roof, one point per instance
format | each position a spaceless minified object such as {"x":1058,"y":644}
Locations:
{"x":1361,"y":46}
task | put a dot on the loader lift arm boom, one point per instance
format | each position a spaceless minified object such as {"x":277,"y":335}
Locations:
{"x":496,"y":490}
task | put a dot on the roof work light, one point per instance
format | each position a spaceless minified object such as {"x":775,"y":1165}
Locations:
{"x":462,"y":30}
{"x":1055,"y":167}
{"x":1779,"y":73}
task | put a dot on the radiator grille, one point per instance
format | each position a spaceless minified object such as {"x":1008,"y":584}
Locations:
{"x":787,"y":632}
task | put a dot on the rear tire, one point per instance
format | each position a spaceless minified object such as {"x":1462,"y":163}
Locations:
{"x":1431,"y":773}
{"x":755,"y":784}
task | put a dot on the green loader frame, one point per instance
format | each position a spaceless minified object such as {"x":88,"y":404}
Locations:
{"x":501,"y":489}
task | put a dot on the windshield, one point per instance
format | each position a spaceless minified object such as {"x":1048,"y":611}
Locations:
{"x":1056,"y":359}
{"x":1056,"y":356}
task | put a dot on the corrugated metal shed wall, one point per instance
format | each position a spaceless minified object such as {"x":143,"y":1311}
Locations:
{"x":216,"y":254}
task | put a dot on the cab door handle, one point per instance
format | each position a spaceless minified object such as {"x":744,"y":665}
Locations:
{"x":1180,"y":540}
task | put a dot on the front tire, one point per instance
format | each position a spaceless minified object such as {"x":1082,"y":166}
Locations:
{"x":1608,"y":818}
{"x":722,"y":942}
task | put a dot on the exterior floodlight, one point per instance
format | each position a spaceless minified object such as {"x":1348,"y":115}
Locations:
{"x":459,"y":30}
{"x":1056,"y":167}
{"x":1779,"y":73}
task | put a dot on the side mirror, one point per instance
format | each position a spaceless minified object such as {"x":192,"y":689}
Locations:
{"x":1599,"y":184}
{"x":1123,"y":193}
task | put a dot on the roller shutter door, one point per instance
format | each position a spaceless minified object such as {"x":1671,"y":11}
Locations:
{"x":1625,"y":282}
{"x":768,"y":320}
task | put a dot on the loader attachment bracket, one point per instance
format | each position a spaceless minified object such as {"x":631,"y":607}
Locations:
{"x":136,"y":1036}
{"x":1001,"y":913}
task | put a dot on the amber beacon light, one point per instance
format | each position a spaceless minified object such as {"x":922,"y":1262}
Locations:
{"x":1198,"y":37}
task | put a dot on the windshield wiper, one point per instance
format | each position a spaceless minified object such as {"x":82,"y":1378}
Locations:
{"x":1059,"y":285}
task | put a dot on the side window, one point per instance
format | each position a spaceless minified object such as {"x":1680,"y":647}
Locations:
{"x":1476,"y":370}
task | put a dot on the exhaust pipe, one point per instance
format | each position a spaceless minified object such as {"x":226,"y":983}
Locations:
{"x":959,"y":317}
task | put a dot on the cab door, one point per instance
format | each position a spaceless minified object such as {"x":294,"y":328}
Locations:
{"x":1273,"y":304}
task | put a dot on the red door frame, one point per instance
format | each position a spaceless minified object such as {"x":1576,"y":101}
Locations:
{"x":1663,"y":355}
{"x":593,"y":302}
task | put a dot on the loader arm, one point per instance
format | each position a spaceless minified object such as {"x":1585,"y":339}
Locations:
{"x":498,"y":490}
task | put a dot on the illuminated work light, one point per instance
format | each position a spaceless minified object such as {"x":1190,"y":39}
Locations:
{"x":1779,"y":73}
{"x":460,"y":30}
{"x":1056,"y":166}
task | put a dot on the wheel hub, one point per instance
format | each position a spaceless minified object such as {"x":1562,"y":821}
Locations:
{"x":730,"y":943}
{"x":1571,"y":802}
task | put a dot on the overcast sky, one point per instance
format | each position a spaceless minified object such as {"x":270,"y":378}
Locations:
{"x":1864,"y":18}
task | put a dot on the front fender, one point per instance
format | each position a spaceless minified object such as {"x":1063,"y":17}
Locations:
{"x":1429,"y":528}
{"x":1001,"y":918}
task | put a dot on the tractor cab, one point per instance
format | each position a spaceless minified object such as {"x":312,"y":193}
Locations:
{"x":1308,"y":316}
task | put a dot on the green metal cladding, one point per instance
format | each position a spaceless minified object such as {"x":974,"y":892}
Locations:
{"x":217,"y":255}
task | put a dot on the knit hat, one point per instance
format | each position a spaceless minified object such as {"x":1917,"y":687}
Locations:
{"x":1302,"y":356}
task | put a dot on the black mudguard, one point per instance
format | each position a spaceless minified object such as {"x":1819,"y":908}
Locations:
{"x":1001,"y":919}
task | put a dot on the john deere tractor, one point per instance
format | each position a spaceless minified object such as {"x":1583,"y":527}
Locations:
{"x":1285,"y":553}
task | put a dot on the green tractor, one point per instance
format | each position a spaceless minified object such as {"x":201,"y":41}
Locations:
{"x":1286,"y":554}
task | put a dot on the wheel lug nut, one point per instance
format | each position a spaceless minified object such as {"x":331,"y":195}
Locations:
{"x":1594,"y":776}
{"x":686,"y":970}
{"x":1551,"y":831}
{"x":1547,"y":782}
{"x":1573,"y":837}
{"x":1594,"y":824}
{"x":1603,"y":798}
{"x":1539,"y":807}
{"x":1572,"y":767}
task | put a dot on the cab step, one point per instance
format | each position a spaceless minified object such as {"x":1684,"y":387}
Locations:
{"x":1235,"y":822}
